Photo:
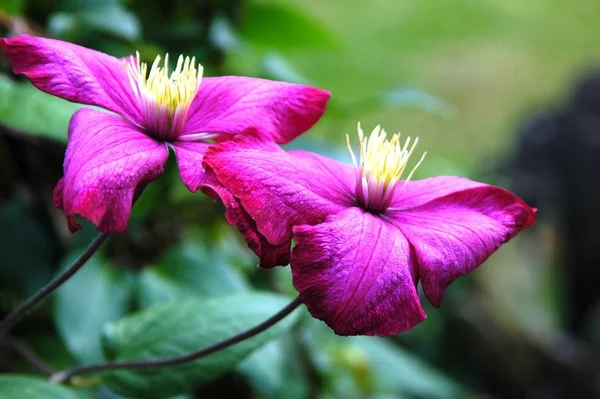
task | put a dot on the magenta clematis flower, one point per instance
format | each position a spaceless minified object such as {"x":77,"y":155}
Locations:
{"x":109,"y":155}
{"x":363,"y":236}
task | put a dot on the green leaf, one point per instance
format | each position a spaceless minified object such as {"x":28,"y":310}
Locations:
{"x":277,"y":67}
{"x":223,"y":35}
{"x":177,"y":328}
{"x":77,"y":5}
{"x":24,"y":387}
{"x":13,"y":7}
{"x":111,"y":19}
{"x":374,"y":367}
{"x":400,"y":98}
{"x":96,"y":295}
{"x":25,"y":108}
{"x":189,"y":270}
{"x":264,"y":369}
{"x":49,"y":347}
{"x":408,"y":97}
{"x":283,"y":26}
{"x":114,"y":20}
{"x":396,"y":371}
{"x":320,"y":146}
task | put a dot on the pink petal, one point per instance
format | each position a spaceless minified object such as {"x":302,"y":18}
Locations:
{"x":279,"y":189}
{"x":57,"y":198}
{"x":106,"y":160}
{"x":73,"y":72}
{"x":189,"y":160}
{"x":269,"y":255}
{"x":232,"y":104}
{"x":357,"y":273}
{"x":457,"y":231}
{"x":411,"y":193}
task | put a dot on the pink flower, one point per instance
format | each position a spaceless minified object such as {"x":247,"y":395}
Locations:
{"x":363,"y":236}
{"x":109,"y":155}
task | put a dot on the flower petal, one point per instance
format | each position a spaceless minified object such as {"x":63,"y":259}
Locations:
{"x":73,"y":72}
{"x":189,"y":160}
{"x":357,"y":273}
{"x":413,"y":193}
{"x":269,"y":255}
{"x":232,"y":104}
{"x":456,"y":232}
{"x":106,"y":160}
{"x":57,"y":198}
{"x":279,"y":189}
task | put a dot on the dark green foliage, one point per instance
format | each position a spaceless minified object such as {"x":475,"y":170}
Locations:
{"x":457,"y":74}
{"x":27,"y":387}
{"x":179,"y":327}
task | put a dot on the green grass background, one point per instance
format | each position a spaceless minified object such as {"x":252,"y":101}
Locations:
{"x":493,"y":60}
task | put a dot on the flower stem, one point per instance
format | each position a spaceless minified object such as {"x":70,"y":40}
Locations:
{"x":177,"y":360}
{"x":39,"y":296}
{"x":27,"y":353}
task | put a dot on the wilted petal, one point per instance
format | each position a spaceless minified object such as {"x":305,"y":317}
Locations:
{"x":279,"y":189}
{"x":57,"y":198}
{"x":232,"y":104}
{"x":269,"y":255}
{"x":457,"y":231}
{"x":73,"y":72}
{"x":106,"y":160}
{"x":357,"y":273}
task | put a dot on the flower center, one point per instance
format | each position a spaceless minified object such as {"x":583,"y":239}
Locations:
{"x":165,"y":97}
{"x":381,"y":165}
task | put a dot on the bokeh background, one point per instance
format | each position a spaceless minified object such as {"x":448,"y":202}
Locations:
{"x":507,"y":92}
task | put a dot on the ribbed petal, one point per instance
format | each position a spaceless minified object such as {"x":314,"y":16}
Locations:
{"x":107,"y":159}
{"x":457,"y":230}
{"x":231,"y":104}
{"x":413,"y":193}
{"x":74,"y":73}
{"x":279,"y":189}
{"x":269,"y":255}
{"x":357,"y":273}
{"x":194,"y":175}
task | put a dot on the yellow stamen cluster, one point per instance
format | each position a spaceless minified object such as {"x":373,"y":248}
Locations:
{"x":170,"y":90}
{"x":383,"y":161}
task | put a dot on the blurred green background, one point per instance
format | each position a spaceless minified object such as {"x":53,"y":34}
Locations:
{"x":462,"y":75}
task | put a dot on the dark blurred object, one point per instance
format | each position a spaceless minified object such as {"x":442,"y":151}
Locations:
{"x":556,"y":167}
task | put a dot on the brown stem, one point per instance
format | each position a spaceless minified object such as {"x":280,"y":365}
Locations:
{"x":42,"y":294}
{"x":177,"y":360}
{"x":28,"y":354}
